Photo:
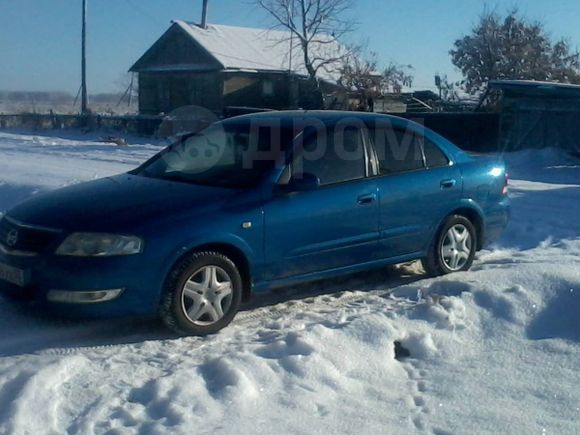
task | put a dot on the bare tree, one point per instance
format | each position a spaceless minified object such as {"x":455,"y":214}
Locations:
{"x":396,"y":76}
{"x":447,"y":89}
{"x":317,"y":25}
{"x":361,"y":73}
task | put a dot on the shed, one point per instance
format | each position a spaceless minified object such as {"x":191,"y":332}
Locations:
{"x":536,"y":114}
{"x":217,"y":66}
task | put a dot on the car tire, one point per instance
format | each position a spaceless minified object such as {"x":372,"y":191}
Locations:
{"x":453,"y":248}
{"x":202,"y":294}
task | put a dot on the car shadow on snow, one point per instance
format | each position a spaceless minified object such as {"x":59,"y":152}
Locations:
{"x":566,"y":173}
{"x":553,"y":166}
{"x":385,"y":279}
{"x":541,"y":216}
{"x":28,"y":330}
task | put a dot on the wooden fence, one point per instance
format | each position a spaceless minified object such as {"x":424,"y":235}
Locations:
{"x":470,"y":131}
{"x":137,"y":124}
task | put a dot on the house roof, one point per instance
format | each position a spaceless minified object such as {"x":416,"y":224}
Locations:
{"x":250,"y":49}
{"x":536,"y":88}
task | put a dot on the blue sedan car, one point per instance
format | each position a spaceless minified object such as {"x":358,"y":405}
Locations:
{"x":249,"y":204}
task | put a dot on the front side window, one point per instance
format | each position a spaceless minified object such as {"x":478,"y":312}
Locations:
{"x":334,"y":155}
{"x":397,"y":150}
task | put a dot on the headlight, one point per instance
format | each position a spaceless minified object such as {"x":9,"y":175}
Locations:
{"x":99,"y":245}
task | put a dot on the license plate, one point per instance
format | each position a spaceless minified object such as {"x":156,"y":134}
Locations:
{"x":12,"y":275}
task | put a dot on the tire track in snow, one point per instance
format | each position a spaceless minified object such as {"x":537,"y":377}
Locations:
{"x":247,"y":318}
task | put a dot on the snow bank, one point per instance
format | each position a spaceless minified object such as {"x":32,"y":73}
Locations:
{"x":491,"y":350}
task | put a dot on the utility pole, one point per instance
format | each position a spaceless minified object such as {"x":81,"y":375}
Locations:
{"x":291,"y":85}
{"x":204,"y":15}
{"x":84,"y":98}
{"x":438,"y":84}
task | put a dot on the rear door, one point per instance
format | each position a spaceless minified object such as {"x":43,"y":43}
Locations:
{"x":333,"y":226}
{"x":418,"y":184}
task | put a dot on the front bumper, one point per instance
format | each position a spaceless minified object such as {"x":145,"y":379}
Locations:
{"x":73,"y":287}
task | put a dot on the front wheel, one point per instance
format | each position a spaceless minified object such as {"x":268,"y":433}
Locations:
{"x":453,"y":249}
{"x":202,"y":294}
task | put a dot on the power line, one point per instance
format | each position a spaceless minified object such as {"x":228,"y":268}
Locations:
{"x":143,"y":12}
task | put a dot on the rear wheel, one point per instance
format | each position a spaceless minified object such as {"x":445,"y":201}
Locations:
{"x":202,"y":294}
{"x":453,"y":249}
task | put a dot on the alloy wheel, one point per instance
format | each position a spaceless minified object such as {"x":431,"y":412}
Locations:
{"x":207,"y":295}
{"x":456,"y":247}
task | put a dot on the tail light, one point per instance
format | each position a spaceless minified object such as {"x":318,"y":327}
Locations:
{"x":504,"y":191}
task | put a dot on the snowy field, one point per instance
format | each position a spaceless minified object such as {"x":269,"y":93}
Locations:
{"x":493,"y":350}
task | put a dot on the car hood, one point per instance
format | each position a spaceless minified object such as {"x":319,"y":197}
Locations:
{"x":120,"y":203}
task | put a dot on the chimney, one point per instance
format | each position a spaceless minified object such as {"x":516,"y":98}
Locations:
{"x":204,"y":15}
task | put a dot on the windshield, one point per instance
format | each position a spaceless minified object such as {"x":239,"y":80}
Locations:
{"x":224,"y":154}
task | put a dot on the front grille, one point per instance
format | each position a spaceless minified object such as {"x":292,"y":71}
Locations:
{"x":29,"y":238}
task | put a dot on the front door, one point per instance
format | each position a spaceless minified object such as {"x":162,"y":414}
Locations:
{"x":333,"y":226}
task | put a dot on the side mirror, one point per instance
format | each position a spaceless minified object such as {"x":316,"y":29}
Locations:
{"x":302,"y":183}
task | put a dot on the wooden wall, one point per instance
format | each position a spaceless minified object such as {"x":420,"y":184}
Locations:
{"x":270,"y":91}
{"x":165,"y":92}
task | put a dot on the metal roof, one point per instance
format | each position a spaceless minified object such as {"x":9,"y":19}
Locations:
{"x":536,"y":88}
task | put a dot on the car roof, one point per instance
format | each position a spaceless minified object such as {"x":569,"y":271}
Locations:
{"x":300,"y":118}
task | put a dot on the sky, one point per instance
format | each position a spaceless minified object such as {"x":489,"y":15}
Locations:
{"x":40,"y":39}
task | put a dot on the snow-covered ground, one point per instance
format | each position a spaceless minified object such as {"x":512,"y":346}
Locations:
{"x":493,"y":350}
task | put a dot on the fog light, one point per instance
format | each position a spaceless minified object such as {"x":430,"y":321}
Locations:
{"x":83,"y":297}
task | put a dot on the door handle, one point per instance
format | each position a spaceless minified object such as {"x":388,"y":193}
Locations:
{"x":366,"y":199}
{"x":448,"y":183}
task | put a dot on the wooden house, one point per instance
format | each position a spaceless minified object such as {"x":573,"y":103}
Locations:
{"x":217,"y":67}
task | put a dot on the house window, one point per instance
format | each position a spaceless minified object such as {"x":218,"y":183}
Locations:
{"x":267,"y":88}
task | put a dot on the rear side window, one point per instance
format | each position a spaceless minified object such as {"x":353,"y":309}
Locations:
{"x":434,"y":157}
{"x":334,"y":155}
{"x":397,"y":151}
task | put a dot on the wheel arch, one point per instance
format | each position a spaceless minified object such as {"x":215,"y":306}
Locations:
{"x":475,"y":215}
{"x":239,"y":256}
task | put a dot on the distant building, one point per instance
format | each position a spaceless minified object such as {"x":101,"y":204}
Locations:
{"x":407,"y":102}
{"x":392,"y":103}
{"x":217,"y":67}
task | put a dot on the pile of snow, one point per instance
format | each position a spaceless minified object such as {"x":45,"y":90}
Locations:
{"x":491,"y":350}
